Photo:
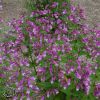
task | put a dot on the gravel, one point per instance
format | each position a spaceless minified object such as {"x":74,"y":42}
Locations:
{"x":92,"y":9}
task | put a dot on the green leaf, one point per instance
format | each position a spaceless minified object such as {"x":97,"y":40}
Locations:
{"x":60,"y":42}
{"x":11,"y":38}
{"x":2,"y":90}
{"x":20,"y":77}
{"x":47,"y":85}
{"x":68,"y":91}
{"x":60,"y":96}
{"x":64,"y":59}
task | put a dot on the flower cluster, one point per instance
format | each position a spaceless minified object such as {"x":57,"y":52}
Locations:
{"x":97,"y":90}
{"x":50,"y":47}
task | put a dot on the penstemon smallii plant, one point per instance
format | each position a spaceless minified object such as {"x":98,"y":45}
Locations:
{"x":52,"y":55}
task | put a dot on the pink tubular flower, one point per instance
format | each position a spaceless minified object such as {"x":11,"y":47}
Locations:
{"x":97,"y":90}
{"x":64,"y":4}
{"x":71,"y":18}
{"x":73,"y":8}
{"x":52,"y":92}
{"x":64,"y":12}
{"x":41,"y":71}
{"x":71,"y":69}
{"x":55,"y":4}
{"x":1,"y":20}
{"x":2,"y":75}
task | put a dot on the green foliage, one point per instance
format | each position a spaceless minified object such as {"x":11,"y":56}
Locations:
{"x":2,"y":90}
{"x":47,"y":85}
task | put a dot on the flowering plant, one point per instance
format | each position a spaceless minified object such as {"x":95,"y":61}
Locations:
{"x":51,"y":54}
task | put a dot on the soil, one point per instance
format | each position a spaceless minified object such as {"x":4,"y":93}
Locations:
{"x":12,"y":9}
{"x":92,"y":10}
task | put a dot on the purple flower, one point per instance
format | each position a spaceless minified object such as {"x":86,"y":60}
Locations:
{"x":98,"y":43}
{"x":56,"y":15}
{"x":64,"y":11}
{"x":24,"y":62}
{"x":71,"y":17}
{"x":1,"y":20}
{"x":41,"y":71}
{"x":53,"y":79}
{"x":97,"y":90}
{"x":2,"y":75}
{"x":76,"y":32}
{"x":78,"y":75}
{"x":85,"y":28}
{"x":81,"y":12}
{"x":33,"y":14}
{"x":52,"y":92}
{"x":39,"y":58}
{"x":44,"y":12}
{"x":64,"y":4}
{"x":15,"y":98}
{"x":85,"y":40}
{"x":59,"y":21}
{"x":77,"y":87}
{"x":55,"y":4}
{"x":51,"y":69}
{"x":71,"y":69}
{"x":42,"y":98}
{"x":73,"y":8}
{"x":28,"y":91}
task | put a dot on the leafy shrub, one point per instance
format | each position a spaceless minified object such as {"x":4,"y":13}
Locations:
{"x":52,"y":55}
